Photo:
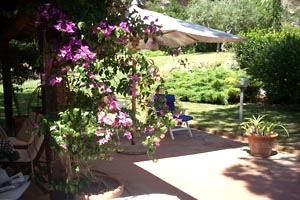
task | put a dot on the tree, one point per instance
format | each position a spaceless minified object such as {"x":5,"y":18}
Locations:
{"x":233,"y":16}
{"x":87,"y":63}
{"x":276,"y":14}
{"x":172,"y":9}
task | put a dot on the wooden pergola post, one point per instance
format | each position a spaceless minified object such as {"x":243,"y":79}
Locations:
{"x":7,"y":86}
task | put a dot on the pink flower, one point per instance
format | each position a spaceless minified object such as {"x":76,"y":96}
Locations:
{"x":102,"y":141}
{"x":104,"y":87}
{"x":55,"y":80}
{"x":100,"y":132}
{"x":148,"y":129}
{"x":113,"y":105}
{"x":125,"y":120}
{"x":102,"y":25}
{"x":135,"y":77}
{"x":91,"y":85}
{"x":59,"y":25}
{"x":106,"y":137}
{"x":133,"y":91}
{"x":146,"y":30}
{"x":128,"y":122}
{"x":65,"y":52}
{"x":157,"y":143}
{"x":70,"y":26}
{"x":64,"y":146}
{"x":92,"y":75}
{"x":128,"y":135}
{"x":176,"y":115}
{"x":178,"y":51}
{"x":101,"y":116}
{"x":36,"y":125}
{"x":109,"y":119}
{"x":124,"y":26}
{"x":153,"y":72}
{"x":109,"y":30}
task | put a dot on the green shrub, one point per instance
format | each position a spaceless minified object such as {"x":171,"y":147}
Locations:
{"x":205,"y":47}
{"x":207,"y":84}
{"x":273,"y":58}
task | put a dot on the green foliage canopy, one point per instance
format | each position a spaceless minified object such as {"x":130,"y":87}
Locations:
{"x":273,"y":58}
{"x":230,"y":15}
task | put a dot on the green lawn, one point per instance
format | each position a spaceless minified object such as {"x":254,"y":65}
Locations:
{"x":22,"y":99}
{"x":226,"y":118}
{"x":206,"y":116}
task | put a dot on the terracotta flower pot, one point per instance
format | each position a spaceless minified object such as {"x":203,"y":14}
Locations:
{"x":261,"y":145}
{"x":107,"y":195}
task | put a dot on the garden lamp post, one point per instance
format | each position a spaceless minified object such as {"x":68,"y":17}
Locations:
{"x":243,"y":83}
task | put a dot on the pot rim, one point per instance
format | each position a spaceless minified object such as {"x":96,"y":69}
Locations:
{"x":273,"y":135}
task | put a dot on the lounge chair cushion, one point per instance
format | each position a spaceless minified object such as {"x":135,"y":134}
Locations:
{"x":29,"y":154}
{"x":20,"y":143}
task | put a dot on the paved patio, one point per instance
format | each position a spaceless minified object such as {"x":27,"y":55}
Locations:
{"x":205,"y":167}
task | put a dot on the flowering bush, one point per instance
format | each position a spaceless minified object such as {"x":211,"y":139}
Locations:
{"x":93,"y":63}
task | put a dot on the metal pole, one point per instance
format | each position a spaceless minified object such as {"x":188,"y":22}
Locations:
{"x":241,"y":107}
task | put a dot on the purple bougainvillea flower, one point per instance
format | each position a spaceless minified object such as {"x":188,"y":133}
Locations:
{"x":148,"y":129}
{"x":128,"y":135}
{"x":64,"y":146}
{"x":100,"y":132}
{"x":55,"y":80}
{"x":178,"y":51}
{"x":109,"y":30}
{"x":102,"y":25}
{"x":133,"y":91}
{"x":36,"y":126}
{"x":125,"y":27}
{"x":70,"y":27}
{"x":153,"y":72}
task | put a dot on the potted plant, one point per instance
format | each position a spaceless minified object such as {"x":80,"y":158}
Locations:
{"x":261,"y":134}
{"x":88,"y":66}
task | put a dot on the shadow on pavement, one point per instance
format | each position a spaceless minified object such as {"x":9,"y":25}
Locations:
{"x":276,"y":177}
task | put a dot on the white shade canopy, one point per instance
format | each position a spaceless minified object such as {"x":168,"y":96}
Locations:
{"x":178,"y":32}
